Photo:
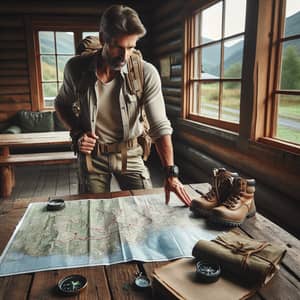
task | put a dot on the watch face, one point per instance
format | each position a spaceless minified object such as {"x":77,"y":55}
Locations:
{"x":142,"y":282}
{"x":172,"y":171}
{"x":72,"y":284}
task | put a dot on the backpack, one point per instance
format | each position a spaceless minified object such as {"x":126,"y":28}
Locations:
{"x":134,"y":82}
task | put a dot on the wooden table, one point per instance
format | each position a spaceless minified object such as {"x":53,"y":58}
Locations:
{"x":115,"y":281}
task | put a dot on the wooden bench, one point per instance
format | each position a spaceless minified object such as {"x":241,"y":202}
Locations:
{"x":8,"y":162}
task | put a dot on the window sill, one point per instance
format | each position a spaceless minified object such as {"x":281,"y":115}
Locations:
{"x":280,"y":146}
{"x":209,"y":131}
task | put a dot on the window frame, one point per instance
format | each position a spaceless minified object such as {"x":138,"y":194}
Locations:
{"x":258,"y":77}
{"x":273,"y":90}
{"x":78,"y":25}
{"x":189,"y":48}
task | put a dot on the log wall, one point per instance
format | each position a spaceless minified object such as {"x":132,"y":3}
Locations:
{"x":17,"y":60}
{"x":14,"y":74}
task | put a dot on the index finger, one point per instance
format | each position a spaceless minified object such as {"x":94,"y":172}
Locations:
{"x":167,"y":195}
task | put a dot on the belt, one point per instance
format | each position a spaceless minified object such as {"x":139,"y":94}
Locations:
{"x":121,"y":147}
{"x":116,"y":147}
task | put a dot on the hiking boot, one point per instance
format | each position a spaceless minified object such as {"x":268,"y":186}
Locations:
{"x":220,"y":188}
{"x":238,"y":206}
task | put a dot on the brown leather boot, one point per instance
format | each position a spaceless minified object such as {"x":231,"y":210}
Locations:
{"x":238,"y":206}
{"x":221,"y":185}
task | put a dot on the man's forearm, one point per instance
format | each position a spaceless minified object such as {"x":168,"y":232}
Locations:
{"x":164,"y":148}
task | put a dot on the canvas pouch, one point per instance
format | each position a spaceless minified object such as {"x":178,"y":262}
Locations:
{"x":247,"y":260}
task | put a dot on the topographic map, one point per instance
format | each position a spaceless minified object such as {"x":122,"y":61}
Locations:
{"x":102,"y":232}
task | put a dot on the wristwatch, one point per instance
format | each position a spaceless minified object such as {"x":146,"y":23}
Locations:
{"x":171,"y":171}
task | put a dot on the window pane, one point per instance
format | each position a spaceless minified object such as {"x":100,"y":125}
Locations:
{"x":49,"y":93}
{"x":197,"y":63}
{"x":230,"y":108}
{"x":48,"y":68}
{"x":211,"y":25}
{"x":61,"y":62}
{"x":235,"y":15}
{"x":65,"y":42}
{"x":90,"y":33}
{"x":233,"y":57}
{"x":209,"y":100}
{"x":197,"y":40}
{"x":211,"y":61}
{"x":288,"y":122}
{"x":290,"y":65}
{"x":46,"y":40}
{"x":292,"y":16}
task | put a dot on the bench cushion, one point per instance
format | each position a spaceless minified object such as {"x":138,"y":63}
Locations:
{"x":31,"y":121}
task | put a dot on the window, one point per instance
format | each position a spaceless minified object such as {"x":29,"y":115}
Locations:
{"x":53,"y":43}
{"x":214,"y":63}
{"x":285,"y":107}
{"x":56,"y":48}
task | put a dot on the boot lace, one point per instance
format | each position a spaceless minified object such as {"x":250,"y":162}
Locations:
{"x":219,"y":184}
{"x":235,"y":196}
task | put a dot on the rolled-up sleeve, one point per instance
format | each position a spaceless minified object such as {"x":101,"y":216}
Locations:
{"x":154,"y":103}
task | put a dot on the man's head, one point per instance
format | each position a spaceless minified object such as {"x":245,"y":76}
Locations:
{"x":120,"y":28}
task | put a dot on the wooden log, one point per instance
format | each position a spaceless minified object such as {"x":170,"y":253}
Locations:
{"x":13,"y":64}
{"x":173,"y":111}
{"x":13,"y":72}
{"x":14,"y":80}
{"x":14,"y":90}
{"x":14,"y":107}
{"x":167,"y":23}
{"x":167,"y":8}
{"x":166,"y":82}
{"x":171,"y":34}
{"x":12,"y":34}
{"x":11,"y":54}
{"x":11,"y":21}
{"x":168,"y":48}
{"x":14,"y":98}
{"x":172,"y":92}
{"x":172,"y":100}
{"x":14,"y":45}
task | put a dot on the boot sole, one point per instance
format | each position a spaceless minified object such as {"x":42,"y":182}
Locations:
{"x":231,"y":223}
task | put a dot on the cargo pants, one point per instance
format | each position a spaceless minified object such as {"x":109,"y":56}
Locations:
{"x":98,"y":179}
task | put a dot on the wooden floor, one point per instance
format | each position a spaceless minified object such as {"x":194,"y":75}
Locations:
{"x":60,"y":180}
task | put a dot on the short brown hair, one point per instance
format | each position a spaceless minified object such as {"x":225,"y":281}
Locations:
{"x":120,"y":20}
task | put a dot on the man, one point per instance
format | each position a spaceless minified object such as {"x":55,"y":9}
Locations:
{"x":104,"y":117}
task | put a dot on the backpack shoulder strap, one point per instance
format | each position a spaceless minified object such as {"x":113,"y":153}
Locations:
{"x":135,"y":76}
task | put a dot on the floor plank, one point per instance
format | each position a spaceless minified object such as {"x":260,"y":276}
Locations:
{"x":60,"y":180}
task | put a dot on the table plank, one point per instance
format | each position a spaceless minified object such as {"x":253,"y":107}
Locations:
{"x":44,"y":284}
{"x":261,"y":228}
{"x":15,"y":287}
{"x":120,"y":278}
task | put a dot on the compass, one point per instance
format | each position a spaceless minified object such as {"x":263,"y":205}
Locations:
{"x":207,"y":271}
{"x":55,"y":204}
{"x":72,"y":284}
